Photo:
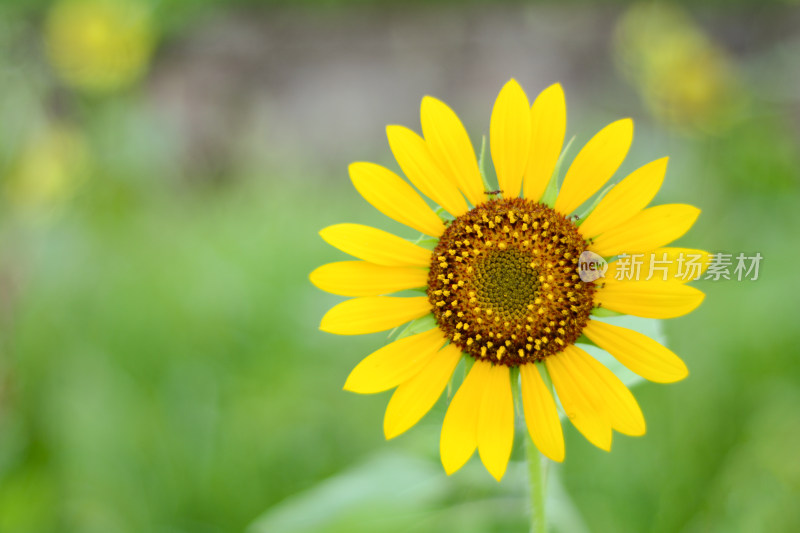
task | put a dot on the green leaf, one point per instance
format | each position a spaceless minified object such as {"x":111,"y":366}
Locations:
{"x":388,"y":492}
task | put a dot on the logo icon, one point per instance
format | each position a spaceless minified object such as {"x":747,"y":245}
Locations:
{"x":591,"y":266}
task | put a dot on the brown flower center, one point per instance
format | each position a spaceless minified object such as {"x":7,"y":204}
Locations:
{"x":504,"y":282}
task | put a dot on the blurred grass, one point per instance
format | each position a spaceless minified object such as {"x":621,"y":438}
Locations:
{"x":166,"y":364}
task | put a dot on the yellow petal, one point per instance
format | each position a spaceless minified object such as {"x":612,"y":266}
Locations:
{"x":421,"y":169}
{"x":649,"y":229}
{"x":626,"y":198}
{"x":548,"y":127}
{"x":451,"y":148}
{"x":609,"y":393}
{"x":649,"y":299}
{"x":595,"y":164}
{"x":359,"y":278}
{"x":496,"y":422}
{"x":395,"y":198}
{"x":579,"y":403}
{"x":638,"y":352}
{"x":460,"y":427}
{"x":676,"y":264}
{"x":510,"y":137}
{"x":394,"y":363}
{"x":373,"y":313}
{"x":415,"y":397}
{"x":541,"y":415}
{"x":376,"y":246}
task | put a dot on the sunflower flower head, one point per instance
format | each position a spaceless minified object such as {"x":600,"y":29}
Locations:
{"x":502,"y":281}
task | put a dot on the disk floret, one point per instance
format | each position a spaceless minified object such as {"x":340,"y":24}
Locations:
{"x":504,"y":282}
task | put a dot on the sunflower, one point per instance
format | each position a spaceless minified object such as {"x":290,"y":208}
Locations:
{"x":501,"y":281}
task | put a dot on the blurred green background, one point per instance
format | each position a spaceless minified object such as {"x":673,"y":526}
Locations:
{"x":164,"y":169}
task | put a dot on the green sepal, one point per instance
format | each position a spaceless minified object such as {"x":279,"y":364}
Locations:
{"x":583,"y":339}
{"x":551,"y":192}
{"x":459,"y":375}
{"x":603,"y":312}
{"x":421,"y":290}
{"x":482,"y":165}
{"x":419,"y":325}
{"x":444,"y":215}
{"x":427,"y":242}
{"x":591,"y":208}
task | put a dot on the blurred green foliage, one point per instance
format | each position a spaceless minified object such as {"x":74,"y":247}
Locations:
{"x":161,"y":368}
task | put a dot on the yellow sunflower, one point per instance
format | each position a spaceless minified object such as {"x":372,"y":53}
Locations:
{"x":501,"y":282}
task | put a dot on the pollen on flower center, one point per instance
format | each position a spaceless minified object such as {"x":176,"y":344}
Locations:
{"x":504,"y":282}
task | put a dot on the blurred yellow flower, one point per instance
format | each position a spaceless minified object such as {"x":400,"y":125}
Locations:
{"x":683,"y":76}
{"x":48,"y":169}
{"x":99,"y":45}
{"x":502,"y":284}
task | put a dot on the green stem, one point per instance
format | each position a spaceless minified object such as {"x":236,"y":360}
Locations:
{"x":537,"y":483}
